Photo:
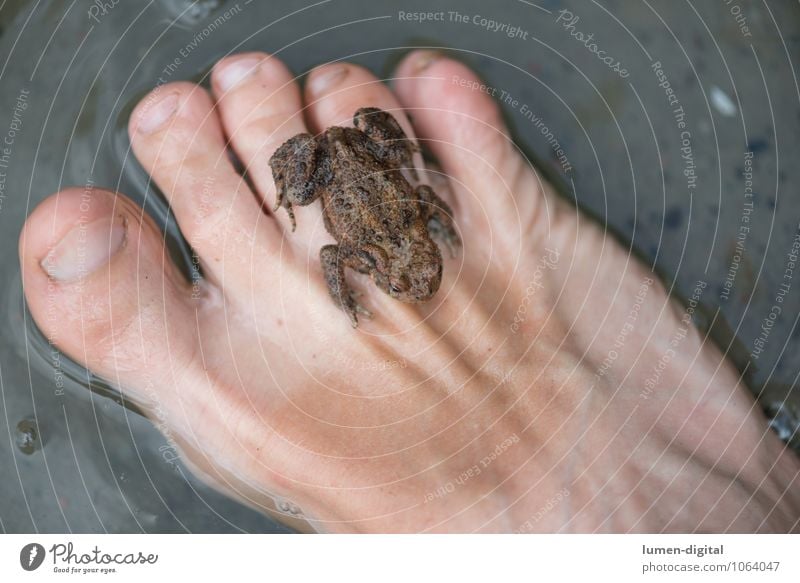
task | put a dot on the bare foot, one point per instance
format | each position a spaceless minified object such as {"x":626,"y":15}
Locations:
{"x":521,"y":398}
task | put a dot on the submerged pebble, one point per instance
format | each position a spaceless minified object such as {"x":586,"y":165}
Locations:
{"x":193,"y":12}
{"x":27,"y":437}
{"x":288,"y":506}
{"x":722,"y":102}
{"x":785,"y":423}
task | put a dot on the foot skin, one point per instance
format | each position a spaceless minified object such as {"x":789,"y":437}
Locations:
{"x":524,"y":384}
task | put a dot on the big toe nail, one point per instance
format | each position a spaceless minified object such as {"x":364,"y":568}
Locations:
{"x":85,"y":248}
{"x":98,"y":282}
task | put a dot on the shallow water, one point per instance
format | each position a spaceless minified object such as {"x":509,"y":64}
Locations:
{"x":75,"y":460}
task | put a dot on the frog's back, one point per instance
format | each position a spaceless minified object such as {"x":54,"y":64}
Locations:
{"x":365,"y":200}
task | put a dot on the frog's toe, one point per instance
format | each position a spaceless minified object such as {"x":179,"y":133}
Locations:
{"x":446,"y":235}
{"x":453,"y":244}
{"x":292,"y":220}
{"x":363,"y":311}
{"x":353,"y":309}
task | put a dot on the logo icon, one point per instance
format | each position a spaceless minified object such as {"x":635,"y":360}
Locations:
{"x":31,"y":556}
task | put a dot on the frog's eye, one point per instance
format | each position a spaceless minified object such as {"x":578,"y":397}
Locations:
{"x":399,"y":285}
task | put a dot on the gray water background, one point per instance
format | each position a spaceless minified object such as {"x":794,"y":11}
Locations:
{"x":86,"y":464}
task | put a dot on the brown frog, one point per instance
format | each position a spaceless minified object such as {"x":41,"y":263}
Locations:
{"x":383,"y":226}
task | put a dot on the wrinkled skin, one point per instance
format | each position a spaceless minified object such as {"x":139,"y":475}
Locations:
{"x":520,"y":398}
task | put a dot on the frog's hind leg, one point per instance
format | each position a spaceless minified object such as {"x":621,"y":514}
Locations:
{"x":391,"y":142}
{"x":293,"y":167}
{"x":439,"y":218}
{"x":334,"y":259}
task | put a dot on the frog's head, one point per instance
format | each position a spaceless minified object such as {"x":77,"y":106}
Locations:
{"x":413,"y":275}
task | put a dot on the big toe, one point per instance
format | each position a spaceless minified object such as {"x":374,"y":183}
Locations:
{"x":102,"y":289}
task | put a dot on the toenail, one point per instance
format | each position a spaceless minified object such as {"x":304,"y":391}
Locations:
{"x":424,"y":59}
{"x":326,"y":78}
{"x":231,"y":73}
{"x":154,"y":114}
{"x":85,"y":248}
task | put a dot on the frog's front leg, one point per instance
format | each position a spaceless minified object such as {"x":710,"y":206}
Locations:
{"x":391,"y":143}
{"x":334,"y":259}
{"x":293,"y":167}
{"x":439,"y":218}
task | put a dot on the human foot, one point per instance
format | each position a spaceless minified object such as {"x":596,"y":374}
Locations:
{"x":515,"y":400}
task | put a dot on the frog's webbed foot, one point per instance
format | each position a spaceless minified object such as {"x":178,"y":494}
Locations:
{"x":334,"y":259}
{"x":439,"y":217}
{"x":293,"y":166}
{"x":391,"y":142}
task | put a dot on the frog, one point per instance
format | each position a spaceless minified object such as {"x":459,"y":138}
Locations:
{"x":383,"y":226}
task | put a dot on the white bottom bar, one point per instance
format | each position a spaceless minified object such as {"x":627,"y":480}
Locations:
{"x":398,"y":558}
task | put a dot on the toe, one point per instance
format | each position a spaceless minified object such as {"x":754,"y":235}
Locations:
{"x":177,"y":136}
{"x":102,"y":289}
{"x":260,"y":106}
{"x":335,"y":91}
{"x":458,"y":119}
